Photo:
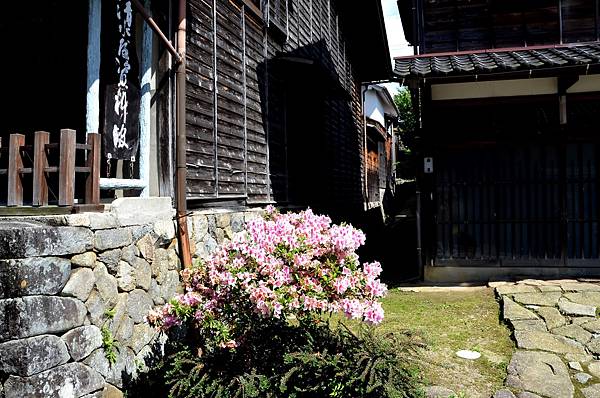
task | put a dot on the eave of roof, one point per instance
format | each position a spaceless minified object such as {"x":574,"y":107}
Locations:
{"x":385,"y":96}
{"x":377,"y":127}
{"x":499,"y":61}
{"x":364,"y":26}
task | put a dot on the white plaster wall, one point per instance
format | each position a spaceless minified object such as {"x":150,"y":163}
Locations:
{"x":374,"y":108}
{"x":510,"y":88}
{"x":500,"y":88}
{"x":586,"y":84}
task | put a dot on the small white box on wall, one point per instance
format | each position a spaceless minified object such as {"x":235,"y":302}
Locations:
{"x":428,"y":165}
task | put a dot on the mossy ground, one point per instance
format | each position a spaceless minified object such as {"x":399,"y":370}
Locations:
{"x":446,"y":321}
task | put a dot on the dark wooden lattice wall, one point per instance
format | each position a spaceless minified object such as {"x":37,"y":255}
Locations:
{"x":460,"y":25}
{"x":286,"y":109}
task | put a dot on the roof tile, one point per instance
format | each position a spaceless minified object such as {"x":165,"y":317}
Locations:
{"x":492,"y":61}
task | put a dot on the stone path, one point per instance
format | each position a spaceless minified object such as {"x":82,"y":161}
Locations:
{"x":557,"y":332}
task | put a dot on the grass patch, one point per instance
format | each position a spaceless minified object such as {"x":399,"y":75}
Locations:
{"x":109,"y":344}
{"x":448,"y":321}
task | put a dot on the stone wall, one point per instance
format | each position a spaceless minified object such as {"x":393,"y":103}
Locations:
{"x":71,"y":284}
{"x":209,"y":228}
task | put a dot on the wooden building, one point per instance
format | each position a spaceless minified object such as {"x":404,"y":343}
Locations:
{"x":508,"y":95}
{"x":285,"y":123}
{"x":273,"y":107}
{"x":381,"y":118}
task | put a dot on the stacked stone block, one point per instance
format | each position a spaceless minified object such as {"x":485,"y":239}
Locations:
{"x":64,"y":280}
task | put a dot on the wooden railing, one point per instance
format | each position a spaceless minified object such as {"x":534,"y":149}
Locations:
{"x":39,"y":156}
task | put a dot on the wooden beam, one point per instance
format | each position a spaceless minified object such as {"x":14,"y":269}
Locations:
{"x":215,"y":98}
{"x":253,"y":9}
{"x":15,"y":164}
{"x":40,"y":162}
{"x":245,"y":88}
{"x":92,"y":184}
{"x":566,"y":81}
{"x":120,"y":183}
{"x":48,"y":210}
{"x":145,"y":105}
{"x":92,"y":113}
{"x":66,"y":173}
{"x":597,"y":19}
{"x":563,"y":84}
{"x":562,"y":109}
{"x":560,"y":22}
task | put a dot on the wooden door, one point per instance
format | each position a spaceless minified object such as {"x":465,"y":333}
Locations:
{"x":518,"y":205}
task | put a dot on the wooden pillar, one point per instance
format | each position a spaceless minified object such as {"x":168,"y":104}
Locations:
{"x":92,"y":111}
{"x":66,"y":168}
{"x":40,"y":162}
{"x":145,"y":106}
{"x":562,"y":108}
{"x":245,"y":88}
{"x":15,"y":164}
{"x":216,"y":101}
{"x":92,"y":184}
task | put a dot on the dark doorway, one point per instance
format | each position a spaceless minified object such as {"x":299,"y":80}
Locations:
{"x":43,"y":71}
{"x":44,"y":67}
{"x":521,"y":197}
{"x":304,"y":102}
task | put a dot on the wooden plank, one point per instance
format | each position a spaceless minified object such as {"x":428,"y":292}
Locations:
{"x":48,"y":210}
{"x":15,"y":162}
{"x":92,"y":183}
{"x":66,"y":173}
{"x":40,"y":162}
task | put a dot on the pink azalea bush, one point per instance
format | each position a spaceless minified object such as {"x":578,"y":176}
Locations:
{"x":284,"y":266}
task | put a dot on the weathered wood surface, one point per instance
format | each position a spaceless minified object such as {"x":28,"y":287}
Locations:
{"x":92,"y":182}
{"x":34,"y":159}
{"x":66,"y":172}
{"x":458,"y":25}
{"x":237,"y":104}
{"x":15,"y":161}
{"x":40,"y":163}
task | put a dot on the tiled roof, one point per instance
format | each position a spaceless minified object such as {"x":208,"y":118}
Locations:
{"x":497,"y":60}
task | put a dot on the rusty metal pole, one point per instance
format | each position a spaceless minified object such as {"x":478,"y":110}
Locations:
{"x":150,"y":21}
{"x":181,"y":177}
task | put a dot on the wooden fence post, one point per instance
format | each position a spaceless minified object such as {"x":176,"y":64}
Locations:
{"x":66,"y":168}
{"x":15,"y":164}
{"x":40,"y":162}
{"x":92,"y":184}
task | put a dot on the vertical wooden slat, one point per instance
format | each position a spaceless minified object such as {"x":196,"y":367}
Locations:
{"x":40,"y":162}
{"x":92,"y":184}
{"x":66,"y":168}
{"x":215,"y":99}
{"x":580,"y":200}
{"x":245,"y":93}
{"x":15,"y":164}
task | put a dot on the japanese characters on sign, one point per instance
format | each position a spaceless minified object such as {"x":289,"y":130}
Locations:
{"x":121,"y":128}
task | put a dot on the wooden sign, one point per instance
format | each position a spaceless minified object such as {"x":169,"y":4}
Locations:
{"x":122,"y":88}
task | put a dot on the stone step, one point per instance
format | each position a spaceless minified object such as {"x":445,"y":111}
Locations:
{"x":19,"y":239}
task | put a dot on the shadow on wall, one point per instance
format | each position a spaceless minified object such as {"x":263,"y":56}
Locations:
{"x":314,"y":133}
{"x":315,"y":141}
{"x":151,"y":382}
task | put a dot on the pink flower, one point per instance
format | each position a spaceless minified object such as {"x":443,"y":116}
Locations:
{"x":341,"y":285}
{"x":292,"y":264}
{"x":277,"y":307}
{"x":270,"y":209}
{"x":353,"y":309}
{"x":372,"y":269}
{"x":199,"y":315}
{"x":376,"y":288}
{"x":228,"y":344}
{"x":374,"y":313}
